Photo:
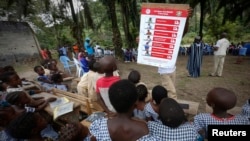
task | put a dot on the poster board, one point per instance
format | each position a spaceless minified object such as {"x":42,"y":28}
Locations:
{"x":161,"y":31}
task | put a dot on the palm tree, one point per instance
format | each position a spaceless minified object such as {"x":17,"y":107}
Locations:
{"x":117,"y":40}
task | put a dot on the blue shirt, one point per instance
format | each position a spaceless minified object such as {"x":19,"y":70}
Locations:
{"x":88,"y":48}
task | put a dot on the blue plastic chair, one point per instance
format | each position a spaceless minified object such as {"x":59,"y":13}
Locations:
{"x":67,"y":63}
{"x":79,"y":70}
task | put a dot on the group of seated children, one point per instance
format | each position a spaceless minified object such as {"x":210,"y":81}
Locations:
{"x":130,"y":116}
{"x":49,"y":76}
{"x":20,"y":118}
{"x":87,"y":84}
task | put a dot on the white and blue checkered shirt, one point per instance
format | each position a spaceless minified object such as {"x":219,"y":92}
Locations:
{"x":149,"y":112}
{"x":99,"y":129}
{"x":246,"y":109}
{"x":202,"y":120}
{"x":185,"y":132}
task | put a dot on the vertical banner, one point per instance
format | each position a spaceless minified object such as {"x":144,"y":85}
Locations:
{"x":161,"y":31}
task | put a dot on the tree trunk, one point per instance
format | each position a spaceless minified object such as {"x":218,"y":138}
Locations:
{"x":117,"y":40}
{"x":125,"y":22}
{"x":77,"y":31}
{"x":202,"y":3}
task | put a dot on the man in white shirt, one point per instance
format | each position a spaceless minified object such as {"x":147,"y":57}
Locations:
{"x":168,"y":80}
{"x":220,"y":50}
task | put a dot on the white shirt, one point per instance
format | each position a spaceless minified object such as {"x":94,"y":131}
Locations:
{"x":166,"y":70}
{"x":222,"y":45}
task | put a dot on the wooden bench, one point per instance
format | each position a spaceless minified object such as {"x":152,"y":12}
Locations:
{"x":87,"y":105}
{"x":189,"y":107}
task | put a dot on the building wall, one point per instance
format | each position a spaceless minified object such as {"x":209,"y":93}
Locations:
{"x":18,"y":43}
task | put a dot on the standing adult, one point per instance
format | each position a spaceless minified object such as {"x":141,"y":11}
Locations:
{"x":44,"y":54}
{"x":88,"y":47}
{"x":220,"y":50}
{"x":76,"y":49}
{"x":168,"y":74}
{"x":195,"y":57}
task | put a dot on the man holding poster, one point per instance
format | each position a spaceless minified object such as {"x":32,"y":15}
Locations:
{"x":168,"y":23}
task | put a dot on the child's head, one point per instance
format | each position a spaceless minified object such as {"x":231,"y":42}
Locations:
{"x":123,"y":95}
{"x":170,"y":113}
{"x":39,"y":70}
{"x":97,"y":66}
{"x":57,"y":78}
{"x":6,"y":113}
{"x":108,"y":64}
{"x":73,"y":132}
{"x":12,"y":79}
{"x":91,"y":65}
{"x":134,"y":76}
{"x":9,"y":68}
{"x":158,"y":93}
{"x":26,"y":126}
{"x":142,"y":92}
{"x":221,"y":99}
{"x":19,"y":98}
{"x":52,"y":66}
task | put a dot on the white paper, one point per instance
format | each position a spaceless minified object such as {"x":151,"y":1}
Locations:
{"x":58,"y":102}
{"x":63,"y":109}
{"x":160,"y":36}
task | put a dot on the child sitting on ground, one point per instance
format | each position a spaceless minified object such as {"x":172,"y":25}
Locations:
{"x":220,"y":100}
{"x":152,"y":108}
{"x":84,"y":61}
{"x":54,"y":70}
{"x":122,"y":127}
{"x":135,"y":77}
{"x":246,"y":109}
{"x":31,"y":126}
{"x":21,"y":101}
{"x":174,"y":126}
{"x":74,"y":132}
{"x":7,"y":114}
{"x":57,"y":80}
{"x":14,"y":83}
{"x":43,"y":80}
{"x":41,"y":75}
{"x":87,"y":83}
{"x":142,"y":92}
{"x":108,"y":65}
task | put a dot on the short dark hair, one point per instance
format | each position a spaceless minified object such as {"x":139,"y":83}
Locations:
{"x":36,"y":68}
{"x":142,"y":92}
{"x":134,"y":76}
{"x":22,"y":126}
{"x":91,"y":65}
{"x":8,"y":68}
{"x":123,"y":95}
{"x":6,"y":76}
{"x":158,"y":93}
{"x":170,"y":113}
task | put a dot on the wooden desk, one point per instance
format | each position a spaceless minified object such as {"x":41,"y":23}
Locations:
{"x":69,"y":117}
{"x":30,"y":85}
{"x":68,"y":82}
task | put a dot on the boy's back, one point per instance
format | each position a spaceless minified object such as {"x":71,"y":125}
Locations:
{"x":102,"y":87}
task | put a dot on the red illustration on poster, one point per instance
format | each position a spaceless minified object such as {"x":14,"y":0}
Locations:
{"x":161,"y":31}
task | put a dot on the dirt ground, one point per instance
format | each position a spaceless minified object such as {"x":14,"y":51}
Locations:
{"x":235,"y":77}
